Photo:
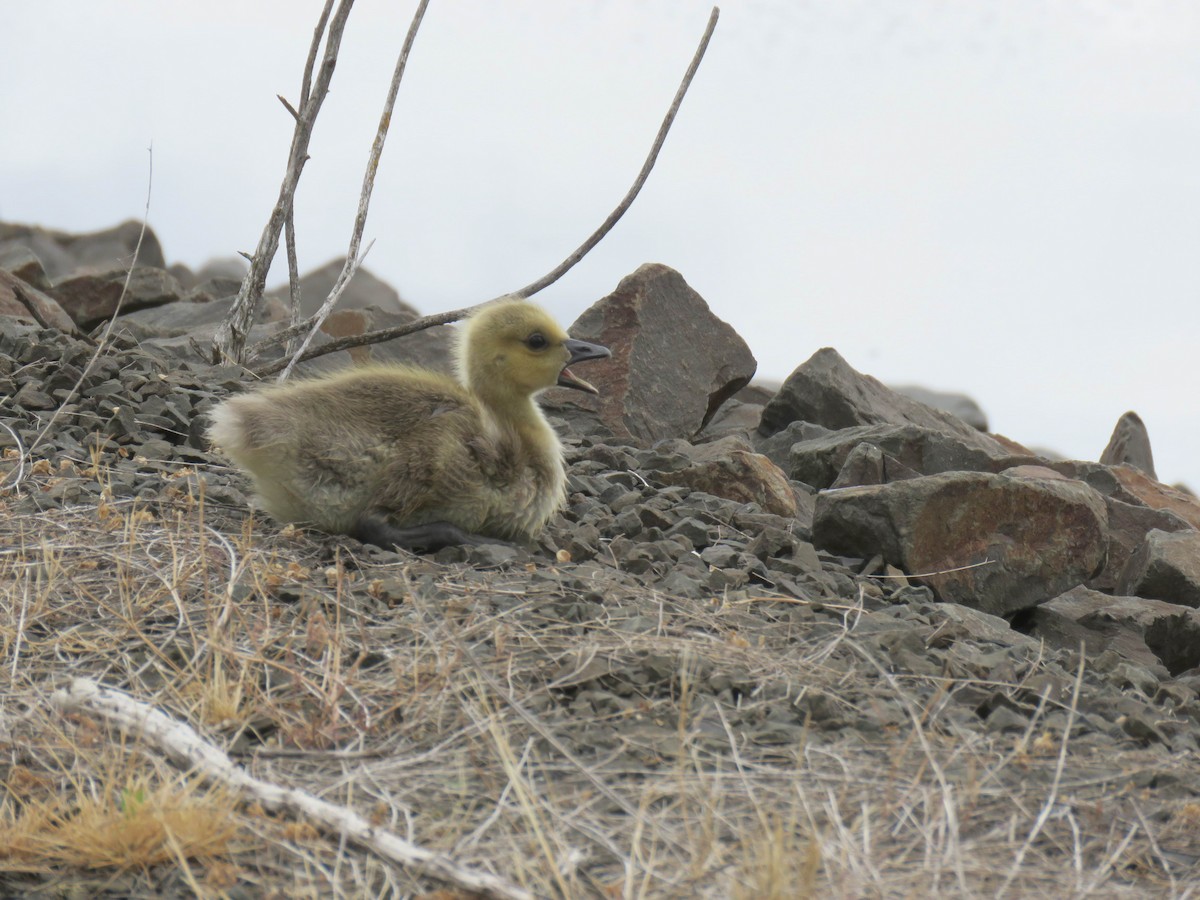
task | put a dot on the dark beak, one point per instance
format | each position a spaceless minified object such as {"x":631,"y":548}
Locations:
{"x":580,"y":351}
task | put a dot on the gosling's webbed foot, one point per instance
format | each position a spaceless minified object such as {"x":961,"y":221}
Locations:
{"x":425,"y":538}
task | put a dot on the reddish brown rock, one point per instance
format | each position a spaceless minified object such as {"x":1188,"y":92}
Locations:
{"x":21,"y":301}
{"x":673,"y":361}
{"x":92,"y":299}
{"x":992,"y":542}
{"x":1135,"y":486}
{"x":731,"y":469}
{"x":1165,"y":567}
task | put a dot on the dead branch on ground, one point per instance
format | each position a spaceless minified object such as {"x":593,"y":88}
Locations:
{"x":184,"y":745}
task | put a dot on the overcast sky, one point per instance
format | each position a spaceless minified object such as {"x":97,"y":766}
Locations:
{"x":1000,"y":197}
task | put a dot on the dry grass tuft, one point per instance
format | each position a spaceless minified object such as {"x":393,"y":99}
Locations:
{"x":125,"y":822}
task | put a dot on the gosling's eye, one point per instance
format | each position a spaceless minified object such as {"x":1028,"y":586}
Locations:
{"x":537,"y":341}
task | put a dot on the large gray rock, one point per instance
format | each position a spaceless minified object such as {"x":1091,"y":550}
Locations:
{"x":1169,"y":631}
{"x":1165,"y":567}
{"x":959,"y":405}
{"x":364,"y":290}
{"x":827,"y":391}
{"x":999,"y":543}
{"x":64,"y":254}
{"x":673,"y":361}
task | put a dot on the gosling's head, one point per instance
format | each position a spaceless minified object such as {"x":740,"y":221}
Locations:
{"x":514,"y":348}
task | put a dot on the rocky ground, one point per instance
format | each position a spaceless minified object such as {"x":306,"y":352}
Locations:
{"x":824,"y":641}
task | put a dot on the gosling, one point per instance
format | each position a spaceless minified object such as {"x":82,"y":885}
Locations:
{"x":396,"y":455}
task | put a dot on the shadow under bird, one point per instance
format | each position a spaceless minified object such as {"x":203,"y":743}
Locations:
{"x":395,"y":455}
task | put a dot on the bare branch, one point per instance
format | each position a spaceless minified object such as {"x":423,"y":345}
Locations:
{"x":529,"y":290}
{"x":567,"y":264}
{"x":230,"y":340}
{"x":291,"y":109}
{"x":289,"y":240}
{"x":364,"y":201}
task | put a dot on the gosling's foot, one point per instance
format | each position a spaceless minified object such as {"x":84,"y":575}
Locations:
{"x":426,"y":538}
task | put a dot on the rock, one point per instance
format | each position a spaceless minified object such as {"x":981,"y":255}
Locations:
{"x":63,"y":254}
{"x":1134,"y":486}
{"x":1128,"y":525}
{"x":997,"y":543}
{"x":864,"y":465}
{"x":1171,"y":633}
{"x":23,"y":262}
{"x":1130,"y":445}
{"x":827,"y":391}
{"x":431,"y":348}
{"x":1165,"y":567}
{"x":364,"y":290}
{"x":26,"y":303}
{"x":91,"y":299}
{"x":674,"y":362}
{"x":731,"y":469}
{"x":906,"y":449}
{"x":958,"y":405}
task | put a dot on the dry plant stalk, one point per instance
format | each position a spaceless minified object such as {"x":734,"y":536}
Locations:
{"x":230,"y":340}
{"x":528,"y":290}
{"x":185,"y":746}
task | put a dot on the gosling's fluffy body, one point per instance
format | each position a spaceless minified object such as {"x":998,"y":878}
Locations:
{"x":409,"y":447}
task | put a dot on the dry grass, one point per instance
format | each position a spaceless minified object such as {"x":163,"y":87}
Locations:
{"x":461,"y":710}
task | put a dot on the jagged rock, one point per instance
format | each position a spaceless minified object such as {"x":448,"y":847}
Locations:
{"x":195,"y":319}
{"x":91,"y":299}
{"x":818,"y":460}
{"x":364,"y":290}
{"x":731,"y":469}
{"x":998,"y":543}
{"x":826,"y":390}
{"x":674,"y":362}
{"x":1128,"y":525}
{"x":1168,"y":631}
{"x":1137,"y":487}
{"x":1130,"y":444}
{"x":864,"y":465}
{"x":23,"y":301}
{"x":959,"y":405}
{"x":1165,"y":567}
{"x":63,"y":254}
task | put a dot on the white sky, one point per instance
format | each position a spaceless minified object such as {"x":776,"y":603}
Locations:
{"x":1000,"y":197}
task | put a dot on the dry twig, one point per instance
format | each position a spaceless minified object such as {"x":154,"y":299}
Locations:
{"x":185,"y":746}
{"x":353,"y":259}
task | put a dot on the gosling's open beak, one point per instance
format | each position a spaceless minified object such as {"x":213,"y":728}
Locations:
{"x":580,"y":351}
